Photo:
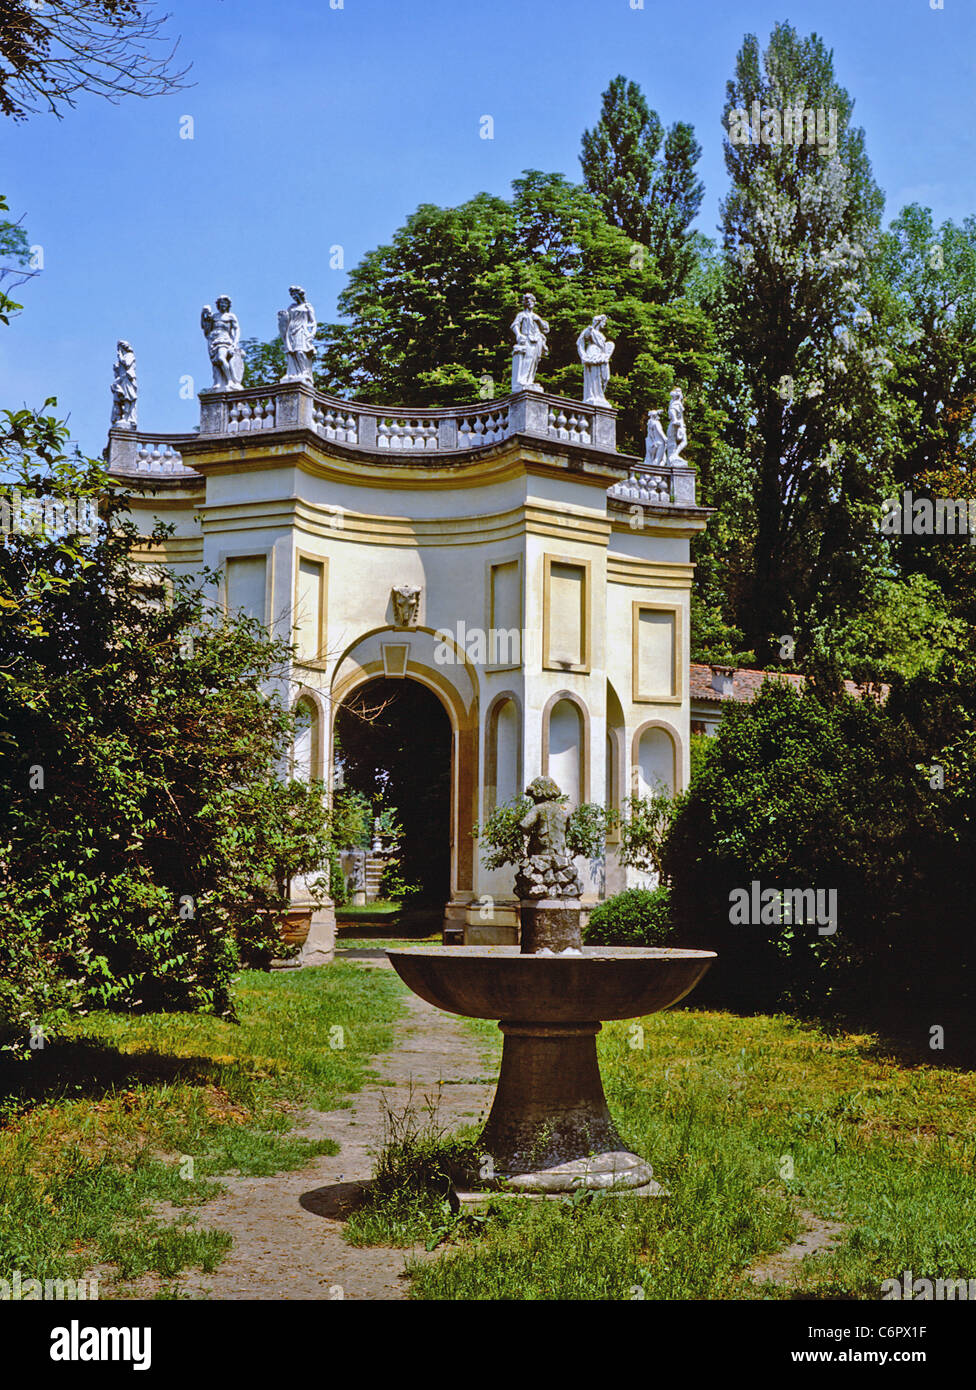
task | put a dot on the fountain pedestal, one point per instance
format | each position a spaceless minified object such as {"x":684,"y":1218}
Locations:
{"x":550,"y":1129}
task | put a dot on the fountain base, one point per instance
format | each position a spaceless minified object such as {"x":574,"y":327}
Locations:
{"x":550,"y":1129}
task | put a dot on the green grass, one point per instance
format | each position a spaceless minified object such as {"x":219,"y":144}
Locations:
{"x":381,"y":908}
{"x":747,"y":1121}
{"x":381,"y":943}
{"x":131,"y":1111}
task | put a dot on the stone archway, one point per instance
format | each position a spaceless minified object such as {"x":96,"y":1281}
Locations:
{"x":397,"y":744}
{"x":418,"y":655}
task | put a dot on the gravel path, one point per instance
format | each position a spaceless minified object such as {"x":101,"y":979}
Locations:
{"x":287,"y":1229}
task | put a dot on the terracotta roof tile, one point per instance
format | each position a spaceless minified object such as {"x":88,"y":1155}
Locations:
{"x":705,"y":683}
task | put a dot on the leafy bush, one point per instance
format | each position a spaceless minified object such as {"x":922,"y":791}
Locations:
{"x":146,"y":838}
{"x":835,"y":794}
{"x":504,"y":838}
{"x":635,"y":917}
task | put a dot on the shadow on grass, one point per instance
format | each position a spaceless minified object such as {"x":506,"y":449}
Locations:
{"x":80,"y":1069}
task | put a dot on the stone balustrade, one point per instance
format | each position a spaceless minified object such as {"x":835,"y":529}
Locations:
{"x":386,"y":430}
{"x":148,"y":455}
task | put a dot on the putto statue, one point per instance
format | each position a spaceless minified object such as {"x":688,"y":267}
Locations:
{"x":124,"y":388}
{"x":297,"y":326}
{"x":530,"y":345}
{"x":547,"y":869}
{"x":595,"y":351}
{"x":677,"y":434}
{"x":655,"y":443}
{"x":223,"y":334}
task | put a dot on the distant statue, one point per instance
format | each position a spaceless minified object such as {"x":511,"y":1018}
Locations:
{"x":297,"y":326}
{"x":530,"y":345}
{"x":406,"y":605}
{"x":677,"y":434}
{"x":595,"y":351}
{"x":223,"y":334}
{"x":124,"y":388}
{"x":547,"y":869}
{"x":655,"y":442}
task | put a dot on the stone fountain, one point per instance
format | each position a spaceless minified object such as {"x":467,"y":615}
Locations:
{"x":550,"y":1129}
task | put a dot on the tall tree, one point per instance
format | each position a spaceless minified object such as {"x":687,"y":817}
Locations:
{"x":429,"y":315}
{"x":650,"y":195}
{"x":800,"y":224}
{"x":51,"y":51}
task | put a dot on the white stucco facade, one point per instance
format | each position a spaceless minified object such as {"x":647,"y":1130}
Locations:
{"x":548,"y":598}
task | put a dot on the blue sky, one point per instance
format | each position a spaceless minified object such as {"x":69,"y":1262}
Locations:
{"x":316,"y":126}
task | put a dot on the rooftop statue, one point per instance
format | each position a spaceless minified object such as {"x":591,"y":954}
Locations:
{"x":547,"y":869}
{"x":677,"y":434}
{"x":530,"y":345}
{"x":595,"y":351}
{"x":124,"y":388}
{"x":223,"y":334}
{"x":297,"y":326}
{"x":655,"y":443}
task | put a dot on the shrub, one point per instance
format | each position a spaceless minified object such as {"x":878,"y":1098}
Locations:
{"x":835,"y":794}
{"x":146,"y":837}
{"x":635,"y":917}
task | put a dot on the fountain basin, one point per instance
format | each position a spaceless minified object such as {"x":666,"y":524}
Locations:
{"x":550,"y":1129}
{"x":603,"y":982}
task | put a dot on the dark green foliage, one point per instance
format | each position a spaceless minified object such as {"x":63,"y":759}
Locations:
{"x":635,"y":917}
{"x":835,"y":794}
{"x":146,"y":840}
{"x":650,"y":195}
{"x":429,"y":315}
{"x":805,"y":379}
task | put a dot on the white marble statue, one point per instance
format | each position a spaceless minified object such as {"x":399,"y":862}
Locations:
{"x":297,"y":326}
{"x":124,"y":388}
{"x":677,"y":434}
{"x":530,"y":344}
{"x":595,"y":351}
{"x":655,"y":443}
{"x":223,"y":334}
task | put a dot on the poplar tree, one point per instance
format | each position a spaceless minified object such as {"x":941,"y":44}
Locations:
{"x":651,"y":194}
{"x":801,"y":225}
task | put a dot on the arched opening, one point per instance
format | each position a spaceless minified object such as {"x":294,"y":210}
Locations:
{"x":306,"y":763}
{"x":503,"y":753}
{"x":616,"y":752}
{"x":566,"y":748}
{"x":393,"y":740}
{"x":654,"y":762}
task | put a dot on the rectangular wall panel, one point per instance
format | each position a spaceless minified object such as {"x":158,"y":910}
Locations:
{"x":309,"y":598}
{"x":246,"y":585}
{"x":567,"y":615}
{"x":655,"y":654}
